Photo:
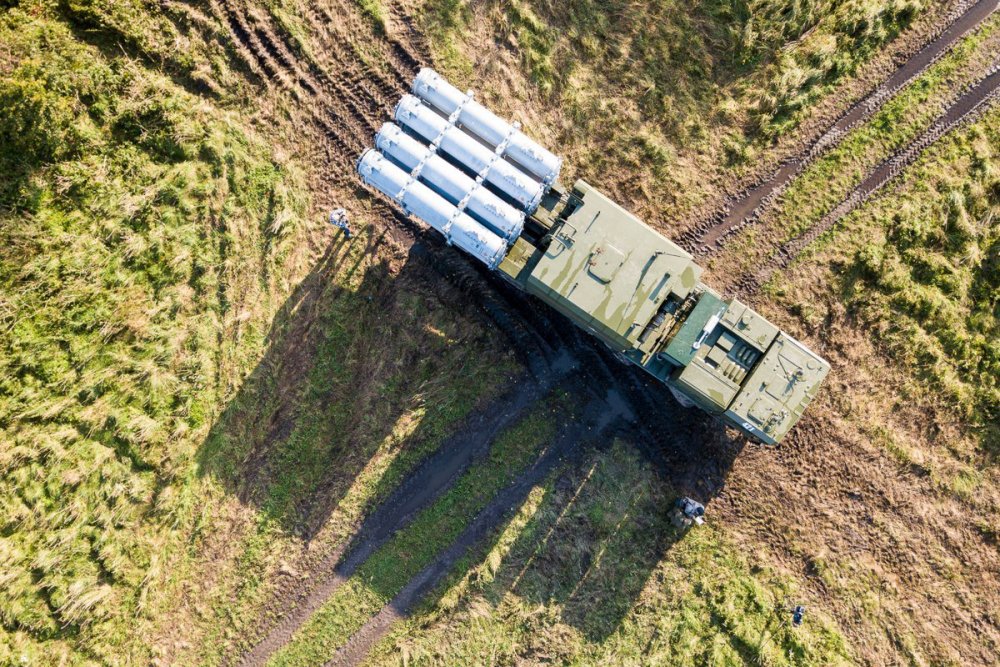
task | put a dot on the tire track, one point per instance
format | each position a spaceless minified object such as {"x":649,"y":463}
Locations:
{"x":403,"y":64}
{"x":966,"y":109}
{"x":403,"y":55}
{"x":343,"y":116}
{"x":279,"y":52}
{"x":348,"y":84}
{"x":237,"y":44}
{"x":747,"y":207}
{"x":421,"y":488}
{"x":502,"y":507}
{"x":340,"y":100}
{"x":245,"y":36}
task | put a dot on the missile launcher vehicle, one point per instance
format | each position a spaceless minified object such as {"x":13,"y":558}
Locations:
{"x":494,"y":193}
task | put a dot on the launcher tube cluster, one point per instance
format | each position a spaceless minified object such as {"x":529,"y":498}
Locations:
{"x":450,"y":162}
{"x":419,"y":200}
{"x":480,"y":121}
{"x":449,"y":181}
{"x":442,"y":133}
{"x":493,"y":192}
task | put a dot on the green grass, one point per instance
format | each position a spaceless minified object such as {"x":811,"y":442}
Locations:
{"x":647,"y":99}
{"x":591,"y":571}
{"x":917,"y":268}
{"x":928,"y":279}
{"x":387,"y":381}
{"x":385,"y":573}
{"x":150,"y":238}
{"x":137,"y":222}
{"x":827,"y":181}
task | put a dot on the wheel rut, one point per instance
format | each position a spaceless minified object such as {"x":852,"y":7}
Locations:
{"x":346,"y":98}
{"x":566,"y":445}
{"x":425,"y":484}
{"x":967,"y":108}
{"x":746,"y":208}
{"x":343,"y":106}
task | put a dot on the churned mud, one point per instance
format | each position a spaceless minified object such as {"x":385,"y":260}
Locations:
{"x":343,"y":100}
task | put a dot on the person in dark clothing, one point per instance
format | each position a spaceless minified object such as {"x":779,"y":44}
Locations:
{"x":689,"y":512}
{"x":338,"y":218}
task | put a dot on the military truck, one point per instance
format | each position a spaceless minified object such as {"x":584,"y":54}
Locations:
{"x":494,"y":192}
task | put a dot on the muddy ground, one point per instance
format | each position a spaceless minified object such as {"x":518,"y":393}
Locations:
{"x":827,"y":494}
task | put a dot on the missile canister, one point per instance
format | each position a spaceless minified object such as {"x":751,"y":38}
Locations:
{"x":426,"y":123}
{"x":599,"y":266}
{"x":477,"y":119}
{"x":420,"y":201}
{"x":440,"y":174}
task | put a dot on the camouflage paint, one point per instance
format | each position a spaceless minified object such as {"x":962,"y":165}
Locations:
{"x":611,"y":274}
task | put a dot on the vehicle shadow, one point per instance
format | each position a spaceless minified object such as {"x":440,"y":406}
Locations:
{"x":359,"y":346}
{"x":604,"y":526}
{"x":595,"y":545}
{"x":605,"y":521}
{"x":589,"y":548}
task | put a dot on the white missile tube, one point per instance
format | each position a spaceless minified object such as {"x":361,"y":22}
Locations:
{"x":433,"y":89}
{"x":420,"y":201}
{"x":423,"y":121}
{"x":437,"y":172}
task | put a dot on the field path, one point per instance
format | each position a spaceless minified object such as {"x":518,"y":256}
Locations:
{"x":565,"y":445}
{"x":966,"y":108}
{"x":425,"y":484}
{"x":710,"y":236}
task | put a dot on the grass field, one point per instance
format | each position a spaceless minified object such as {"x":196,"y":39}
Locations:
{"x":591,"y":571}
{"x":928,"y":281}
{"x":153,"y":239}
{"x":659,"y":103}
{"x":827,"y":181}
{"x":145,"y":239}
{"x":203,"y":391}
{"x":917,"y":267}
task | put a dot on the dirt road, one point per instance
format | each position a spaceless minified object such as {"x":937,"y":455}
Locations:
{"x":965,"y":109}
{"x":345,"y":100}
{"x":570,"y":442}
{"x":747,"y":207}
